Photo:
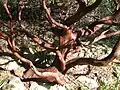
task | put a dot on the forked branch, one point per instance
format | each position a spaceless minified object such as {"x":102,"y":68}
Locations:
{"x":53,"y":22}
{"x":95,"y":62}
{"x":102,"y":36}
{"x":108,"y":20}
{"x":37,"y":40}
{"x":82,"y":10}
{"x":51,"y":76}
{"x":48,"y":75}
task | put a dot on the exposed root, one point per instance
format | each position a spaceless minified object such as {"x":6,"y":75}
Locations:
{"x":47,"y":75}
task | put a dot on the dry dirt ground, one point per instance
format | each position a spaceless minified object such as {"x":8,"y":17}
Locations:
{"x":80,"y":77}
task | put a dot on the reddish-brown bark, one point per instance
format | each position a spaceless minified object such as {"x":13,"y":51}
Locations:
{"x":68,"y":39}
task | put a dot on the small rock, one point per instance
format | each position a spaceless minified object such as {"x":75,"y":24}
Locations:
{"x":91,"y":83}
{"x":12,"y":66}
{"x":57,"y":87}
{"x":35,"y":86}
{"x":78,"y":69}
{"x":8,"y":63}
{"x":16,"y":83}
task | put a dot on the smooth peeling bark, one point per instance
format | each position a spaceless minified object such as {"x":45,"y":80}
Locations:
{"x":29,"y":75}
{"x":95,"y":62}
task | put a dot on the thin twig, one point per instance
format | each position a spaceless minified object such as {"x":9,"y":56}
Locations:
{"x":103,"y":35}
{"x":21,"y":6}
{"x":53,"y":22}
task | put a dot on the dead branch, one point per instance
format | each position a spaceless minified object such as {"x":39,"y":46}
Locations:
{"x":95,"y":62}
{"x":29,"y":75}
{"x":108,"y":20}
{"x":102,"y":36}
{"x":6,"y":8}
{"x":51,"y":76}
{"x":11,"y":43}
{"x":82,"y":10}
{"x":53,"y":22}
{"x":67,"y":41}
{"x":11,"y":26}
{"x":61,"y":59}
{"x":3,"y":23}
{"x":2,"y":35}
{"x":97,"y":25}
{"x":37,"y":40}
{"x":21,"y":4}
